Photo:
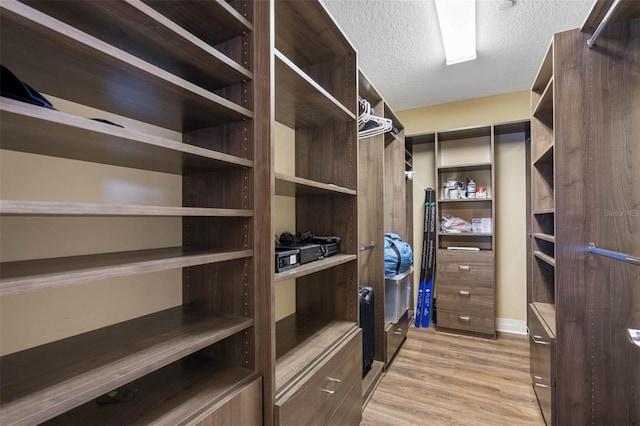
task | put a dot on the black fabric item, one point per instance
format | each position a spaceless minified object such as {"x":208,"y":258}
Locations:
{"x":14,"y":88}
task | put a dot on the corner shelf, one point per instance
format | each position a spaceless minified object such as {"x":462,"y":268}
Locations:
{"x":545,"y":237}
{"x":545,"y":104}
{"x":546,"y":156}
{"x":88,"y":365}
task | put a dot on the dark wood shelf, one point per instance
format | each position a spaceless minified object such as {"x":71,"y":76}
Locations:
{"x":466,"y":167}
{"x":300,"y":101}
{"x":36,"y":130}
{"x":142,"y":31}
{"x":307,"y":34}
{"x":467,"y":200}
{"x":545,"y":72}
{"x":390,"y":137}
{"x":544,"y":211}
{"x":545,"y":257}
{"x":51,"y":208}
{"x":545,"y":104}
{"x":547,"y":314}
{"x":465,"y":234}
{"x":213,"y":21}
{"x":545,"y":237}
{"x":313,"y":267}
{"x":371,"y":379}
{"x":422,"y":138}
{"x":62,"y":61}
{"x":546,"y":156}
{"x":30,"y":275}
{"x":292,"y":186}
{"x":302,"y":340}
{"x":465,"y":133}
{"x":175,"y":394}
{"x":43,"y":382}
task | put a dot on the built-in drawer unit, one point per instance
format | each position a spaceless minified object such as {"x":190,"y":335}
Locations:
{"x":542,"y":345}
{"x":243,"y":409}
{"x":465,"y":291}
{"x":320,"y":394}
{"x":394,"y":336}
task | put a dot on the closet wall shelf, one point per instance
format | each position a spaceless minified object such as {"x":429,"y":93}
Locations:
{"x":40,"y":383}
{"x":465,"y":234}
{"x":545,"y":72}
{"x":546,"y":156}
{"x":467,"y":200}
{"x":172,"y":395}
{"x":300,"y":101}
{"x":49,"y":208}
{"x":547,"y":313}
{"x":301,"y":341}
{"x":145,"y":92}
{"x":30,"y":275}
{"x":545,"y":257}
{"x":546,"y":237}
{"x":544,"y":211}
{"x":545,"y":104}
{"x":313,"y":267}
{"x":465,"y":167}
{"x":291,"y":186}
{"x":213,"y":21}
{"x":78,"y":138}
{"x":151,"y":36}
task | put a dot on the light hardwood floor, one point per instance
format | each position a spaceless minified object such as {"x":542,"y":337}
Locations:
{"x":441,"y":379}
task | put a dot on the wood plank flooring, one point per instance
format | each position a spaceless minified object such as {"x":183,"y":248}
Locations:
{"x":441,"y":379}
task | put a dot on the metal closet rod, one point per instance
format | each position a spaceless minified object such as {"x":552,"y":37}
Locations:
{"x":614,"y":255}
{"x":591,"y":41}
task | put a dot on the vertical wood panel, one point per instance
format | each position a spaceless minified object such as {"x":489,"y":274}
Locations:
{"x":395,"y":200}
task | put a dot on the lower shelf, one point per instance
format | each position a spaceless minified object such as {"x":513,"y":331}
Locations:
{"x":371,"y":380}
{"x":547,"y":314}
{"x":177,"y":394}
{"x":301,"y":341}
{"x":41,"y":383}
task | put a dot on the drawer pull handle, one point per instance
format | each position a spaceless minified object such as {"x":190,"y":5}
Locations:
{"x":398,"y":331}
{"x":335,"y":387}
{"x":464,"y":293}
{"x":465,"y":318}
{"x":540,"y":385}
{"x":539,"y":340}
{"x":464,"y":268}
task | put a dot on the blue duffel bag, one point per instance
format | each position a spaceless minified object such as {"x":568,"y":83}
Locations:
{"x":398,"y":256}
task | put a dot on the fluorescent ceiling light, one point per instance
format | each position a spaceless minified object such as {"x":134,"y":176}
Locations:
{"x":457,"y":20}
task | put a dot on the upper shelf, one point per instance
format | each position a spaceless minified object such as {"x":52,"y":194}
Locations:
{"x":40,"y":383}
{"x":29,"y":275}
{"x":545,"y":104}
{"x":467,"y":200}
{"x":213,"y":21}
{"x":465,"y":167}
{"x":306,"y":33}
{"x":300,"y":101}
{"x":367,"y":91}
{"x":142,"y":31}
{"x":36,"y":130}
{"x":545,"y":72}
{"x":61,"y":61}
{"x":465,"y":133}
{"x":292,"y":186}
{"x":546,"y":156}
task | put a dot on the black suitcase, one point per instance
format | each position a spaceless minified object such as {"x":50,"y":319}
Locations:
{"x":367,"y":325}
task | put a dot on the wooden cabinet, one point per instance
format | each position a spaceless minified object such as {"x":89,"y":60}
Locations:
{"x":188,"y":77}
{"x":315,"y":79}
{"x":582,"y":304}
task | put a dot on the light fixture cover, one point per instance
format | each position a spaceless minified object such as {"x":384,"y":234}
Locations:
{"x":457,"y":20}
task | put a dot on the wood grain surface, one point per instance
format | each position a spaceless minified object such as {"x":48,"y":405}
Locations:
{"x":440,"y":379}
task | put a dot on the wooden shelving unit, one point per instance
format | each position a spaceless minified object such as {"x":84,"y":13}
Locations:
{"x":174,"y":66}
{"x":315,"y":98}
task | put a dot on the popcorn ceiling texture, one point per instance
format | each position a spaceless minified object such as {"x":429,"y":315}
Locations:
{"x":400,"y":50}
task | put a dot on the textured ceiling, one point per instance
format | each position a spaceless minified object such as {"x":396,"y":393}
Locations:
{"x":400,"y":50}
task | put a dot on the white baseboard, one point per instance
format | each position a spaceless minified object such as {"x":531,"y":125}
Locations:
{"x":512,"y":326}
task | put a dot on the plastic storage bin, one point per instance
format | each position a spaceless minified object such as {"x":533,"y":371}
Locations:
{"x":397,"y":291}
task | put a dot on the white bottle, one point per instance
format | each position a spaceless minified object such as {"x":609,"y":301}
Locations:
{"x":471,"y":189}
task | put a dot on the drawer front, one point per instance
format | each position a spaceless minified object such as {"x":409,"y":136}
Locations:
{"x":467,"y":321}
{"x":541,"y":351}
{"x":466,"y":298}
{"x":244,"y":409}
{"x":315,"y":399}
{"x":470,"y":268}
{"x":546,"y":396}
{"x":395,"y":335}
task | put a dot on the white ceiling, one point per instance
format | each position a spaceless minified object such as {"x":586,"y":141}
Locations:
{"x":400,"y":50}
